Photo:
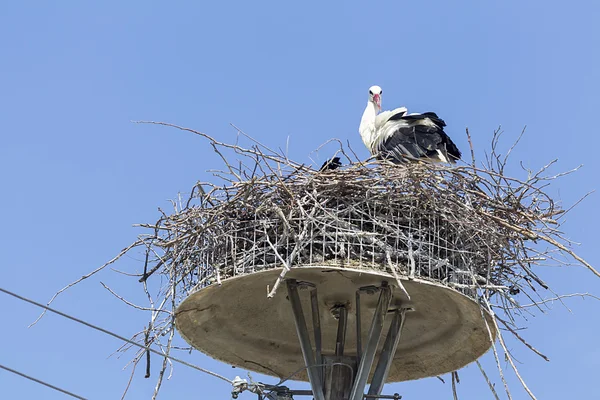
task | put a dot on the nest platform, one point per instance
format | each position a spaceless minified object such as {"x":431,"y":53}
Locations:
{"x":237,"y":324}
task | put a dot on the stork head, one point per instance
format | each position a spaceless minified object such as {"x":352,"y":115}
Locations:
{"x":375,"y":95}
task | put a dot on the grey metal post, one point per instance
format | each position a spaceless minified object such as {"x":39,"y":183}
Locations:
{"x":358,"y":328}
{"x":302,"y":331}
{"x":316,"y":318}
{"x":341,"y":381}
{"x":387,"y":353}
{"x":366,"y":362}
{"x":341,"y":331}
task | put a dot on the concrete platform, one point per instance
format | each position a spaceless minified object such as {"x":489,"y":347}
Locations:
{"x":236,"y":323}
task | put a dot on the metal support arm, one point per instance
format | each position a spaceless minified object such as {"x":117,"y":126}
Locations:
{"x":366,"y":362}
{"x":387,"y":353}
{"x":302,"y":331}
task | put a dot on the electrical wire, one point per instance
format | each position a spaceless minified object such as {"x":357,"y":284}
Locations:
{"x":31,"y":378}
{"x":115,"y":335}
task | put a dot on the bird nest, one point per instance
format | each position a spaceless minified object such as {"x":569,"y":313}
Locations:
{"x":468,"y":227}
{"x":419,"y":220}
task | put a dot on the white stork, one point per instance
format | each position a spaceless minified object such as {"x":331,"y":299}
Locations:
{"x":395,"y":134}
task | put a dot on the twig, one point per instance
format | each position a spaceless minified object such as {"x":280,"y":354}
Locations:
{"x":147,"y":343}
{"x":490,"y":385}
{"x":86,"y":276}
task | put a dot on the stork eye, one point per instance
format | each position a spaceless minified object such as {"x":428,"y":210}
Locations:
{"x":371,"y":92}
{"x":381,"y":92}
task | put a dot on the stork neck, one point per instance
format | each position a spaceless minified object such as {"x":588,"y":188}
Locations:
{"x":367,"y":125}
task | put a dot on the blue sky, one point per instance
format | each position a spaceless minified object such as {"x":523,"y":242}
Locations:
{"x":76,"y":173}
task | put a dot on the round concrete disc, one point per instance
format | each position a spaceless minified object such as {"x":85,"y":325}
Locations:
{"x":237,"y":324}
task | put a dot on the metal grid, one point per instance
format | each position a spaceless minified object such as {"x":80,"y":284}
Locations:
{"x":403,"y":226}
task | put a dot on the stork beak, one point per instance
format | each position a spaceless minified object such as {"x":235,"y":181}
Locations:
{"x":377,"y":100}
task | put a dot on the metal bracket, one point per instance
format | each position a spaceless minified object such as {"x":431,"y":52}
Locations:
{"x":371,"y":289}
{"x":336,"y":383}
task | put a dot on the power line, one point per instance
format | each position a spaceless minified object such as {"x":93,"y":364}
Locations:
{"x":31,"y":378}
{"x":114,"y":335}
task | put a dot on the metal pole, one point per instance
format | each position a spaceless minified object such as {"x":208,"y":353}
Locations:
{"x":341,"y":331}
{"x":341,"y":381}
{"x":316,"y":318}
{"x":358,"y":389}
{"x":358,"y":327}
{"x":387,"y":353}
{"x":309,"y":359}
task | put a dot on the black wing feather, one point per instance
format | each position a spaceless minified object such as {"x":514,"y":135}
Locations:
{"x":417,"y":140}
{"x":332,"y":164}
{"x":415,"y":117}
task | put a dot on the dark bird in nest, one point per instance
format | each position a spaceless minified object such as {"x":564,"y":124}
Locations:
{"x":398,"y":136}
{"x":330,"y":165}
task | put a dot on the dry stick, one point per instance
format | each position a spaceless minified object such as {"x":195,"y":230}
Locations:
{"x":168,"y":346}
{"x":393,"y":269}
{"x":511,"y":362}
{"x":476,"y":286}
{"x":506,"y":325}
{"x":491,"y":336}
{"x":506,"y":351}
{"x":582,"y":295}
{"x":291,"y":258}
{"x":495,"y":175}
{"x":455,"y":395}
{"x":286,"y":268}
{"x":565,"y":212}
{"x":136,"y":360}
{"x":411,"y":258}
{"x":211,"y":139}
{"x":254,"y":140}
{"x":218,"y":276}
{"x":535,"y":235}
{"x":153,"y":270}
{"x":215,"y":148}
{"x":561,"y":301}
{"x":147,"y":343}
{"x":339,"y":150}
{"x":130,"y":303}
{"x":515,"y":143}
{"x":471,"y":147}
{"x":454,"y":381}
{"x":84,"y":277}
{"x":491,"y":386}
{"x":145,"y":274}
